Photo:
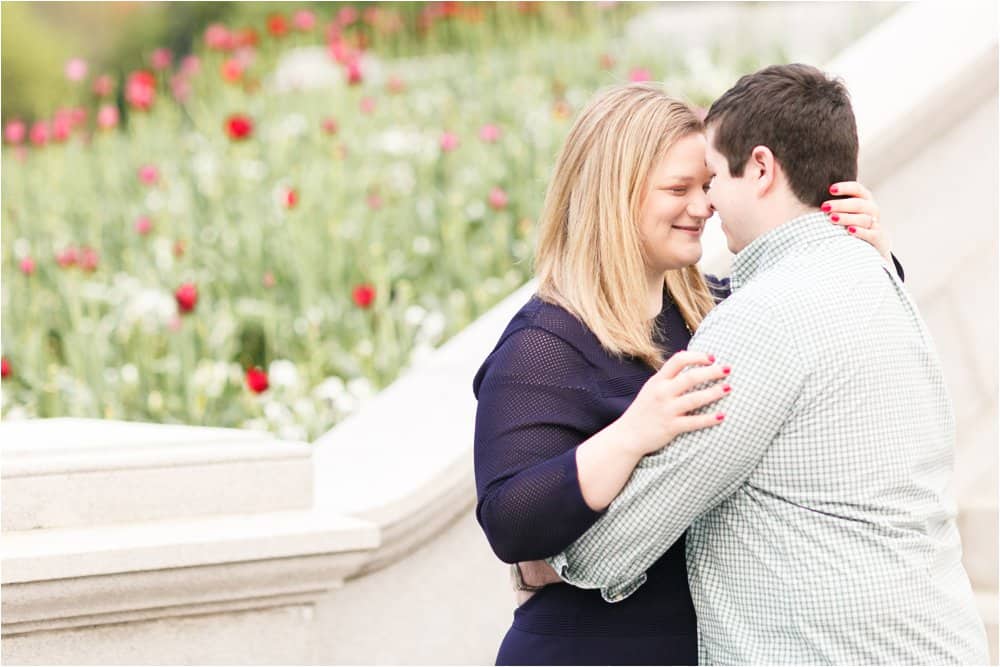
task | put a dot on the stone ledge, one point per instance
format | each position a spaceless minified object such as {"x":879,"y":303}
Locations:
{"x":66,"y":473}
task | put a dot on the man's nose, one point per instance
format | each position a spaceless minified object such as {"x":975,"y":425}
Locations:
{"x":701,"y":206}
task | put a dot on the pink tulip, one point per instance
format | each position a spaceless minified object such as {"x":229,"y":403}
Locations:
{"x":304,"y":20}
{"x":104,"y":85}
{"x":76,"y":69}
{"x":143,"y":225}
{"x":39,"y":134}
{"x":498,"y":199}
{"x":15,"y":132}
{"x":218,"y":37}
{"x":639,"y":74}
{"x":149,"y":174}
{"x":161,"y":59}
{"x":367,"y":105}
{"x":449,"y":142}
{"x":107,"y":117}
{"x":190,"y":65}
{"x":27,"y":266}
{"x":490,"y":133}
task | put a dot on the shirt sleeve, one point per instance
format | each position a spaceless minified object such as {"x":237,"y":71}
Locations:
{"x":534,"y":410}
{"x":671,"y":488}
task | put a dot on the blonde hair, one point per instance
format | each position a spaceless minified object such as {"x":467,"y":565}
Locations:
{"x":589,"y":258}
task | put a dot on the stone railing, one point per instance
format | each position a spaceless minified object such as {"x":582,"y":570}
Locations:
{"x":133,"y":543}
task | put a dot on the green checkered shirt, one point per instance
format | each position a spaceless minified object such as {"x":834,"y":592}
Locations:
{"x":820,"y":526}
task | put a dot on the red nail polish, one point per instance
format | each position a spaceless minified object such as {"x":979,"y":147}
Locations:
{"x":851,"y":230}
{"x":826,"y":208}
{"x":835,"y":217}
{"x":833,"y":189}
{"x":725,"y":370}
{"x":719,"y":417}
{"x":711,"y":358}
{"x":726,"y":389}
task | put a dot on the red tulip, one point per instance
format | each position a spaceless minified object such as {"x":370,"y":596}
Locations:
{"x":104,"y":85}
{"x":277,"y":25}
{"x":498,"y":199}
{"x":329,"y":126}
{"x":15,"y":132}
{"x":143,"y":225}
{"x":140,"y":90}
{"x":39,"y":134}
{"x":4,"y":367}
{"x":239,"y":127}
{"x":449,"y":141}
{"x":27,"y":266}
{"x":161,"y":59}
{"x":256,"y":380}
{"x":187,"y":297}
{"x":291,"y":198}
{"x":363,"y":295}
{"x":246,"y":37}
{"x":149,"y":174}
{"x":607,"y":61}
{"x":232,"y":70}
{"x":179,"y":247}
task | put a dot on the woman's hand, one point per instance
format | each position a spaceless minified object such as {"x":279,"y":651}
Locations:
{"x":661,"y":410}
{"x":859,"y":214}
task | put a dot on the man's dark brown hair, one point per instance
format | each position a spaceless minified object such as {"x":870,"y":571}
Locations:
{"x":802,"y":115}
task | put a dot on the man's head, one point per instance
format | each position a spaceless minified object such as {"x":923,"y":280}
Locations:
{"x":777,"y":140}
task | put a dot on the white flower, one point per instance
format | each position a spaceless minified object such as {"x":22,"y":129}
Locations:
{"x":330,"y":388}
{"x":433,"y":326}
{"x":414,"y":315}
{"x":475,"y":210}
{"x":422,"y":245}
{"x":277,"y":413}
{"x":22,"y":248}
{"x":130,"y":374}
{"x":154,"y":200}
{"x":292,"y":432}
{"x":283,"y":373}
{"x":155,"y":401}
{"x":253,"y":170}
{"x":163,"y":251}
{"x":364,"y":349}
{"x":360,"y":388}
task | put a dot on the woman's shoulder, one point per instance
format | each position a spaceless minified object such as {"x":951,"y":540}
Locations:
{"x":542,"y":343}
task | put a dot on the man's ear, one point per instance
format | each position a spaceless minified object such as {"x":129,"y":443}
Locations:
{"x":761,"y":169}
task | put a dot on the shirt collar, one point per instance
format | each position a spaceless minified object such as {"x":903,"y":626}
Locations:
{"x":768,"y":249}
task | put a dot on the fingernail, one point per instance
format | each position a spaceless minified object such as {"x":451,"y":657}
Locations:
{"x":725,"y":370}
{"x":835,"y":217}
{"x":711,"y":358}
{"x":851,"y":230}
{"x":826,"y":208}
{"x":719,"y":417}
{"x":726,"y":389}
{"x":833,"y":189}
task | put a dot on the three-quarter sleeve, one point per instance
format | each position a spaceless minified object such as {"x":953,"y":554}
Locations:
{"x":535,"y":407}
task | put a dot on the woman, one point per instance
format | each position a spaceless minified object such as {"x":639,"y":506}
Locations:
{"x":565,"y":410}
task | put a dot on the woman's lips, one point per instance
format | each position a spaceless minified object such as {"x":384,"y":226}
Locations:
{"x":690,"y":230}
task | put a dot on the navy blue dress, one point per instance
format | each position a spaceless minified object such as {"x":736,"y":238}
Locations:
{"x":546,"y":387}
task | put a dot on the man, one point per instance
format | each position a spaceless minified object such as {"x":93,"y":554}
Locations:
{"x":821,"y":530}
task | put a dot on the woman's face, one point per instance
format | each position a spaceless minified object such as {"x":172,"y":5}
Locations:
{"x":676,"y":206}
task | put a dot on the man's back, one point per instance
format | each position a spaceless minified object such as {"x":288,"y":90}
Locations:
{"x":840,"y":545}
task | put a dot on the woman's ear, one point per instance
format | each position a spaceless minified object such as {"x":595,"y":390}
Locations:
{"x":761,"y":165}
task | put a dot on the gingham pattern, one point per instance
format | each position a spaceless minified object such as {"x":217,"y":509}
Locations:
{"x":821,"y":529}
